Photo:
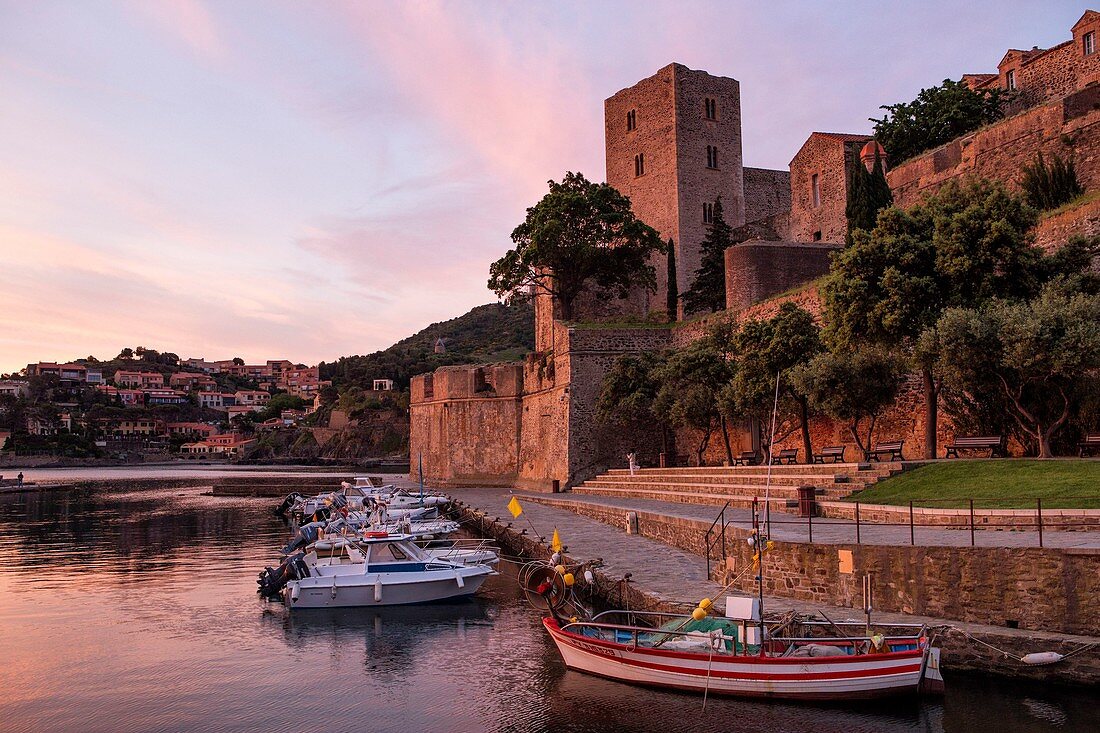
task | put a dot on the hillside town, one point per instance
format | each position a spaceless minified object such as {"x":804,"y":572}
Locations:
{"x":151,"y":403}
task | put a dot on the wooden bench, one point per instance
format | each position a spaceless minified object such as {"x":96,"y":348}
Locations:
{"x":835,"y":452}
{"x":995,"y":444}
{"x":1088,"y":445}
{"x":745,"y":458}
{"x":891,"y":450}
{"x":787,"y":455}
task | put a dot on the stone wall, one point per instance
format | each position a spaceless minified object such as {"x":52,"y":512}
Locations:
{"x":465,"y":422}
{"x":828,"y":156}
{"x":1056,"y":229}
{"x":757,"y":270}
{"x":1032,"y":588}
{"x":767,"y":193}
{"x":1069,"y":127}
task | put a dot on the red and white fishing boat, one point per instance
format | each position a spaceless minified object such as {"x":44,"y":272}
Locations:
{"x":673,"y":655}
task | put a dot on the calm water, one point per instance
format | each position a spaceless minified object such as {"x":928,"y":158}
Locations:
{"x":132,"y":610}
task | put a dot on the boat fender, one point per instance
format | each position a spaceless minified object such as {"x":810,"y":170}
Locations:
{"x":1042,"y":658}
{"x":378,"y":591}
{"x":294,"y":593}
{"x":459,"y":580}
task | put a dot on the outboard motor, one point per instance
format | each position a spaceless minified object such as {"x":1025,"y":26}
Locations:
{"x":307,"y":533}
{"x":288,"y":502}
{"x":273,"y":580}
{"x":321,"y":515}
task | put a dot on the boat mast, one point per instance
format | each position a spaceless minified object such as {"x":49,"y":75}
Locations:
{"x":762,"y":539}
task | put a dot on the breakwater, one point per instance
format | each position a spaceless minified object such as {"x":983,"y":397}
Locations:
{"x":967,"y":646}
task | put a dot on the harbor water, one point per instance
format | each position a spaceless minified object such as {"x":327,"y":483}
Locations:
{"x":130,"y":609}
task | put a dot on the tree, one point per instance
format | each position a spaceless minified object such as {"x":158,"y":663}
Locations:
{"x":851,"y":386}
{"x":126,"y":353}
{"x":961,"y":247}
{"x":329,"y":394}
{"x":708,"y":289}
{"x":1038,"y":352}
{"x":628,"y":395}
{"x":868,"y":193}
{"x":580,"y":233}
{"x":938,"y":115}
{"x":672,"y":298}
{"x":767,"y":349}
{"x":238,"y":361}
{"x":690,"y":382}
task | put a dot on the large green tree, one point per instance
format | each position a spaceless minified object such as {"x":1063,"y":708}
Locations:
{"x":1037,"y":353}
{"x":967,"y":243}
{"x":767,"y":350}
{"x":708,"y":288}
{"x":853,"y":386}
{"x":691,"y":380}
{"x":628,"y":396}
{"x":580,"y":234}
{"x":937,"y":115}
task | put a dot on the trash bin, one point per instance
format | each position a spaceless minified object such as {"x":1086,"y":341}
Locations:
{"x":807,"y":505}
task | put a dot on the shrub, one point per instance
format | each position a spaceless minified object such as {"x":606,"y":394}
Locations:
{"x":1049,"y":186}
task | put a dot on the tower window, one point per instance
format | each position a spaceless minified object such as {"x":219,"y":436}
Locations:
{"x":712,"y":156}
{"x":631,"y":120}
{"x":639,"y":164}
{"x":710,"y":107}
{"x":817,"y":236}
{"x":815,"y":191}
{"x":1010,"y":79}
{"x":708,"y":213}
{"x":1088,"y":43}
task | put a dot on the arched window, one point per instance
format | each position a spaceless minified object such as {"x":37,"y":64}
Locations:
{"x":639,"y":164}
{"x":712,"y":156}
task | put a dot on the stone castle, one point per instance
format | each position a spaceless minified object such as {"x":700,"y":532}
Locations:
{"x":673,"y":145}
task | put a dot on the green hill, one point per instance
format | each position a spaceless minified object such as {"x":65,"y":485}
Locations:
{"x":488,"y":333}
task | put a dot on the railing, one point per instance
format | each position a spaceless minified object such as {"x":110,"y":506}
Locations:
{"x":713,"y":535}
{"x":1033,"y":520}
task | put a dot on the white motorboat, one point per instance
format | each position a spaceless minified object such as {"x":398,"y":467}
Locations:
{"x":377,"y":569}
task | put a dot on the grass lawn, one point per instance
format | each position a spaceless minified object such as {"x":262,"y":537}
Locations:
{"x":1013,"y":483}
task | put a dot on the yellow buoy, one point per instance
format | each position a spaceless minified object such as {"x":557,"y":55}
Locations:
{"x":706,"y":603}
{"x":568,"y":579}
{"x":698,"y":614}
{"x":560,"y":570}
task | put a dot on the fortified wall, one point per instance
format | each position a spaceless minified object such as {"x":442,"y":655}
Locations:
{"x":674,"y":145}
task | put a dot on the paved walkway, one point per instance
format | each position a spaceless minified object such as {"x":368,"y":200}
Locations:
{"x":791,"y":528}
{"x":668,"y":572}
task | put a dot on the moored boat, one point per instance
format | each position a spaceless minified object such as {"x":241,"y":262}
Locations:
{"x":378,"y":569}
{"x":711,"y":657}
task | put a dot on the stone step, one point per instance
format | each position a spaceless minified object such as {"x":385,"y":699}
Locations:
{"x":873,"y":469}
{"x":785,"y":492}
{"x":745,"y":480}
{"x":739,"y":501}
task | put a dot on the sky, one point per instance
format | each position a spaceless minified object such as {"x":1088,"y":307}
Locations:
{"x":309,"y":180}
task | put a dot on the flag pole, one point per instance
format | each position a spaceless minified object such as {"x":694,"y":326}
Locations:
{"x":420,"y":465}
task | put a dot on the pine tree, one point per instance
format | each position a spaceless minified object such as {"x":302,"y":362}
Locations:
{"x":672,"y":300}
{"x":868,"y":193}
{"x":708,"y":290}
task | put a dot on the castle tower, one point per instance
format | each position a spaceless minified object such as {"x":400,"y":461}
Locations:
{"x":673,"y":146}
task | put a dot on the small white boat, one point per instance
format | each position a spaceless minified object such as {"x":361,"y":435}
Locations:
{"x":378,"y":569}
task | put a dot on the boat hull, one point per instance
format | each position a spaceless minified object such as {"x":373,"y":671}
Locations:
{"x":360,"y":590}
{"x":814,"y":678}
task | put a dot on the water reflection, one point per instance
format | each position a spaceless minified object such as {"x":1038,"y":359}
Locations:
{"x":136,"y":610}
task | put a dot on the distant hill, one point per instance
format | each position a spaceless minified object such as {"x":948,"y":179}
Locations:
{"x":488,"y":333}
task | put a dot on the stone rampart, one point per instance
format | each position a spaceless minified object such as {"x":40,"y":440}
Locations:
{"x":756,"y":270}
{"x":1030,"y":588}
{"x":1069,"y":127}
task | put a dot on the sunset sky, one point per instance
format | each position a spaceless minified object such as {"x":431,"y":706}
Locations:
{"x":314,"y":179}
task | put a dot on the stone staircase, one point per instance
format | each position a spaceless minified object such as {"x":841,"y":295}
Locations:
{"x":737,"y":485}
